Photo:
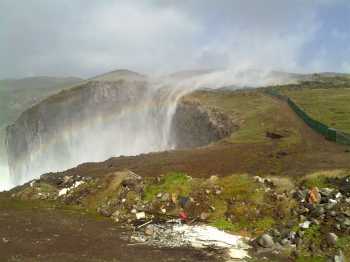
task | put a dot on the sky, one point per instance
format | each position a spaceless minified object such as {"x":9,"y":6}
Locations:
{"x":85,"y":38}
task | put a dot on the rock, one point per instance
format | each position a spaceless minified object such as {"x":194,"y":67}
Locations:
{"x":326,"y":192}
{"x":340,"y":257}
{"x":318,"y":211}
{"x":207,"y":191}
{"x":266,"y":241}
{"x":159,"y":195}
{"x":163,"y":210}
{"x":347,"y":213}
{"x":218,"y":192}
{"x":305,"y":225}
{"x":150,"y":230}
{"x":5,"y":240}
{"x":333,"y":213}
{"x":332,"y":239}
{"x":346,"y":222}
{"x":259,"y":179}
{"x":165,"y":197}
{"x":115,"y":216}
{"x":338,"y":195}
{"x":213,"y":179}
{"x":285,"y":242}
{"x":104,"y":211}
{"x":204,"y":216}
{"x":140,"y":215}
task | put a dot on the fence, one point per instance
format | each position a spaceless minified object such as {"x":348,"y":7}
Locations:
{"x":329,"y":133}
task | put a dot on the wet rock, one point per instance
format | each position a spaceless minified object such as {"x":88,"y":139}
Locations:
{"x":266,"y":241}
{"x":332,"y":239}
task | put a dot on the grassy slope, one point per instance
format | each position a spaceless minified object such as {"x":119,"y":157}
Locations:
{"x":329,"y":106}
{"x":254,"y":112}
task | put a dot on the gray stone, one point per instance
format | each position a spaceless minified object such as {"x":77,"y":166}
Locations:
{"x":332,"y":239}
{"x":165,"y":197}
{"x":266,"y":241}
{"x":346,"y":222}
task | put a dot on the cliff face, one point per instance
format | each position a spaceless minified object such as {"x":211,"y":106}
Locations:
{"x":48,"y":136}
{"x":100,"y":119}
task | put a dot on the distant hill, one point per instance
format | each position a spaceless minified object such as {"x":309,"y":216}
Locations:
{"x":17,"y":95}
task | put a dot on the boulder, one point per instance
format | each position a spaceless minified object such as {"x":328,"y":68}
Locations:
{"x":266,"y":241}
{"x":331,"y":239}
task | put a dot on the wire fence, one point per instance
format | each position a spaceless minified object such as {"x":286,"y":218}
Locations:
{"x":329,"y":133}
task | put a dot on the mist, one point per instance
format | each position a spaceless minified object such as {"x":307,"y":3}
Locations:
{"x":6,"y":182}
{"x":109,"y":119}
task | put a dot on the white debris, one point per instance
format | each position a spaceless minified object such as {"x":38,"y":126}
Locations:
{"x":32,"y":183}
{"x":65,"y":190}
{"x":332,"y":201}
{"x":338,"y":195}
{"x":140,"y":215}
{"x":305,"y":225}
{"x":206,"y":236}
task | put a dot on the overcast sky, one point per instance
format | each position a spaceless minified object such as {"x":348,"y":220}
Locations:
{"x":85,"y":38}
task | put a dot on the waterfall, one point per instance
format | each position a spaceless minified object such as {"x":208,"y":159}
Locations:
{"x":103,"y":119}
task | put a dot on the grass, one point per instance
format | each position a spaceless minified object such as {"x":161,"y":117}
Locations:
{"x":173,"y":182}
{"x":329,"y":106}
{"x":320,"y":179}
{"x":255,"y":114}
{"x":343,"y":243}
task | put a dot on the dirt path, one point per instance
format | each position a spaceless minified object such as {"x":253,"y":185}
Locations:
{"x":56,"y":236}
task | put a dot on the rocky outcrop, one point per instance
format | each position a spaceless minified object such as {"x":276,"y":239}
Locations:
{"x":195,"y":125}
{"x":113,"y":115}
{"x":46,"y":137}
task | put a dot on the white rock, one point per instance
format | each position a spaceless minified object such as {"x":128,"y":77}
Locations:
{"x":140,"y":215}
{"x":332,"y":201}
{"x":305,"y":225}
{"x":338,"y":195}
{"x":63,"y":191}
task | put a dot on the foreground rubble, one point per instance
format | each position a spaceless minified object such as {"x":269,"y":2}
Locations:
{"x":306,"y":221}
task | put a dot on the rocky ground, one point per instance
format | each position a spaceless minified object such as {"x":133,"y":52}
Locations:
{"x":284,"y":220}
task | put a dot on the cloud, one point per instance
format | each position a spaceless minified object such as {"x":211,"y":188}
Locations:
{"x":86,"y":38}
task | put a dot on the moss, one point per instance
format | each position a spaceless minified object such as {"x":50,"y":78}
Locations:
{"x":311,"y":259}
{"x":174,"y":182}
{"x":223,"y":224}
{"x":343,"y":243}
{"x":264,"y":224}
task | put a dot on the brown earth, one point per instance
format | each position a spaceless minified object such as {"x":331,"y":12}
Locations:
{"x":51,"y":235}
